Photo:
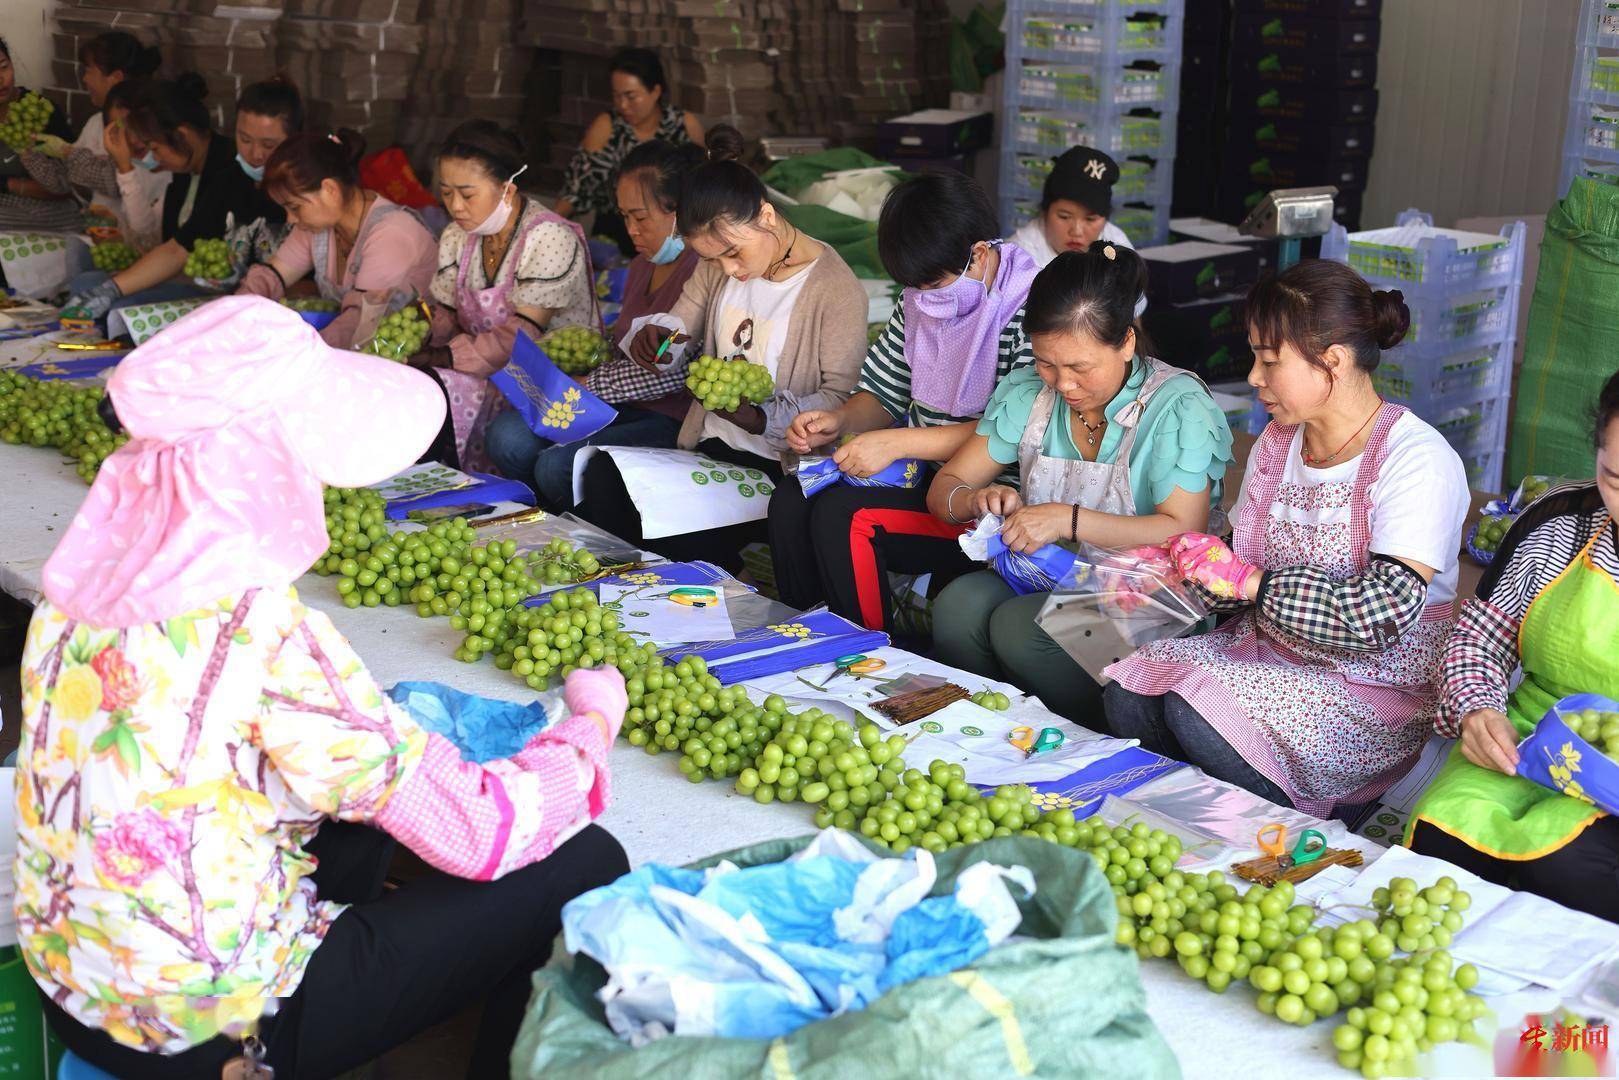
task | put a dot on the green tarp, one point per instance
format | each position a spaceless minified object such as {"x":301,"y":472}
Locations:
{"x":1572,"y":343}
{"x":852,"y":238}
{"x":1062,"y":1001}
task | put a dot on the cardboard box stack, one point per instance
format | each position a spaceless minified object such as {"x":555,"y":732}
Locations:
{"x":470,"y":67}
{"x":1302,"y":101}
{"x":353,"y":60}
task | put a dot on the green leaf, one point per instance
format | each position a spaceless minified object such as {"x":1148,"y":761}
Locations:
{"x":179,"y":631}
{"x":128,"y":748}
{"x":105,"y":739}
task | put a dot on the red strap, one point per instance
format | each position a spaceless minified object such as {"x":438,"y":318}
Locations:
{"x":1371,"y":463}
{"x":863,"y":526}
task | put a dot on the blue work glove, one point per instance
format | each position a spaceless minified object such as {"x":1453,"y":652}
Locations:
{"x":96,"y":303}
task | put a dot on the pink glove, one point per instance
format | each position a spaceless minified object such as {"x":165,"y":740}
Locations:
{"x":1206,"y":560}
{"x":599,"y":691}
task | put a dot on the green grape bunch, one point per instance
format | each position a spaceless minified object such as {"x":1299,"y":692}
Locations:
{"x":561,"y":563}
{"x":399,"y":336}
{"x":59,"y":415}
{"x":1491,"y":531}
{"x":723,"y":385}
{"x":311,"y":303}
{"x":209,"y":260}
{"x":576,"y":350}
{"x":1599,"y":728}
{"x":26,"y":118}
{"x":113,"y":256}
{"x":992,"y":700}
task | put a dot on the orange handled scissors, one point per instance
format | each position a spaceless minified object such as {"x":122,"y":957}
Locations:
{"x":1272,"y":840}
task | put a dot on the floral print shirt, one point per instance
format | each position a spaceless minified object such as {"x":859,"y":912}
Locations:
{"x":168,"y":778}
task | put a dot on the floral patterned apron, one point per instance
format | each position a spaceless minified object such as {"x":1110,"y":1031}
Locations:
{"x":473,"y":402}
{"x":1326,"y":725}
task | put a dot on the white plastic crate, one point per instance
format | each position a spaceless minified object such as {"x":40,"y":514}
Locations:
{"x":1078,"y":86}
{"x":1433,"y":382}
{"x":1426,"y":257}
{"x":1138,"y":179}
{"x":1591,"y":132}
{"x":1039,"y":131}
{"x":1454,"y":322}
{"x":1474,"y":429}
{"x":1484,"y":469}
{"x":1057,"y":36}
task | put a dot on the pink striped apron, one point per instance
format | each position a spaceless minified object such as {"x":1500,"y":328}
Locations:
{"x":1325,"y":725}
{"x":473,"y":402}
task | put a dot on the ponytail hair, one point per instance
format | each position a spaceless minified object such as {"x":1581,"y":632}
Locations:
{"x":1316,"y":304}
{"x":301,"y":164}
{"x":722,"y":191}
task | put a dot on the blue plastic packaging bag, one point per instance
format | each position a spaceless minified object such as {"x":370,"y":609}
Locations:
{"x":320,"y":320}
{"x":555,"y":406}
{"x":483,"y":729}
{"x":488,"y":489}
{"x":1559,"y":755}
{"x":818,"y":473}
{"x":759,"y":952}
{"x":1041,"y":570}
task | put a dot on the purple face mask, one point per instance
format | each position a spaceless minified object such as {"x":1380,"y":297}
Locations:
{"x":959,"y":298}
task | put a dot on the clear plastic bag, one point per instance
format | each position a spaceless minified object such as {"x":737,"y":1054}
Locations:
{"x":1041,"y":570}
{"x":1110,"y":603}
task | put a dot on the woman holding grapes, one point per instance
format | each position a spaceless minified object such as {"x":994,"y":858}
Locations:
{"x":505,"y":264}
{"x":228,"y":844}
{"x":1548,"y":605}
{"x":651,"y":404}
{"x":367,"y":255}
{"x":1113,"y":448}
{"x":956,"y":333}
{"x":764,"y":292}
{"x":24,"y":202}
{"x":215,"y":186}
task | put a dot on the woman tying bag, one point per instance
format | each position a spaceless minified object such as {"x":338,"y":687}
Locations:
{"x":1113,"y":448}
{"x":1343,"y":566}
{"x":253,"y":743}
{"x":651,"y":404}
{"x":957,"y":332}
{"x":111,"y":66}
{"x":1074,"y":207}
{"x":764,"y":292}
{"x":505,"y":263}
{"x":1548,"y":603}
{"x":212,"y":191}
{"x":367,"y":254}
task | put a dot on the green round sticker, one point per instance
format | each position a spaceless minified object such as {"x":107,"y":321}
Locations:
{"x":735,"y":474}
{"x":765,"y":488}
{"x":699,"y":478}
{"x":719,"y":477}
{"x":746,"y":490}
{"x":970,"y":730}
{"x":755,"y":474}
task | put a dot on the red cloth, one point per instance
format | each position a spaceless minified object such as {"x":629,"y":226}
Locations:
{"x":389,"y":172}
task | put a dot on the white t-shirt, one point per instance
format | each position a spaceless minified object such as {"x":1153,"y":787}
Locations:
{"x":1419,"y":500}
{"x":753,"y":318}
{"x":1032,"y":238}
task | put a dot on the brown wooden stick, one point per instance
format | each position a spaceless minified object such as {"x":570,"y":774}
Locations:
{"x":1267,"y":872}
{"x":904,"y":708}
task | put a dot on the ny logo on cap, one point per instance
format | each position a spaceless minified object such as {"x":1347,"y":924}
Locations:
{"x":1096,"y":169}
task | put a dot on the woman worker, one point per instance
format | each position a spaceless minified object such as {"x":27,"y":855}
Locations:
{"x":505,"y":263}
{"x":957,"y":332}
{"x":111,"y":68}
{"x":1343,"y":566}
{"x":367,"y":255}
{"x":212,"y":191}
{"x":765,"y":292}
{"x":25,"y":203}
{"x":222,"y":852}
{"x":651,"y":404}
{"x":641,"y":112}
{"x":1548,"y":604}
{"x":1113,"y":448}
{"x":1074,"y":207}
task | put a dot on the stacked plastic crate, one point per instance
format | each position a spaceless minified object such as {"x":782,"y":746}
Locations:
{"x":1591,"y":138}
{"x":1102,"y":73}
{"x":1454,"y":369}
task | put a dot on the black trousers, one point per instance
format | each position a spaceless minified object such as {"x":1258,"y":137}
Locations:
{"x":442,"y":449}
{"x":839,"y":547}
{"x":607,"y":505}
{"x":1583,"y":874}
{"x":395,"y":964}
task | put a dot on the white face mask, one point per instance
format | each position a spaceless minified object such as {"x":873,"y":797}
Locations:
{"x":501,"y":214}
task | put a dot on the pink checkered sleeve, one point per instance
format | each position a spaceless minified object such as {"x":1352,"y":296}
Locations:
{"x":1476,"y":666}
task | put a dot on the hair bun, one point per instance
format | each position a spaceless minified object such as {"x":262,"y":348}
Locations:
{"x":724,"y":143}
{"x":1392,"y":318}
{"x":352,"y":143}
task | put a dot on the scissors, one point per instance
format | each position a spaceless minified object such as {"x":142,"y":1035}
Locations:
{"x":693,"y":596}
{"x":855,"y":664}
{"x":1273,"y":841}
{"x":1025,"y":739}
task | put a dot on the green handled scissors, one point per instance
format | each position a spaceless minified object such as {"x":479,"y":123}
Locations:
{"x":1273,"y":841}
{"x":855,"y":664}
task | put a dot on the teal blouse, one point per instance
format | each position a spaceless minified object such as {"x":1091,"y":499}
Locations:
{"x":1183,"y":441}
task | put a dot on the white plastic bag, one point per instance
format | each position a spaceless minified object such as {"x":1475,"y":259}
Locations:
{"x":40,"y":265}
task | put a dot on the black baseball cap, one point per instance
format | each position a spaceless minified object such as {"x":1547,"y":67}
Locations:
{"x":1084,"y":175}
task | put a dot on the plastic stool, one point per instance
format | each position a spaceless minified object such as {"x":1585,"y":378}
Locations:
{"x":73,"y":1067}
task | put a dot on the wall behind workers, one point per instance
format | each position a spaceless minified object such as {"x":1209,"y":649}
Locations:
{"x":25,"y":26}
{"x":1474,"y":100}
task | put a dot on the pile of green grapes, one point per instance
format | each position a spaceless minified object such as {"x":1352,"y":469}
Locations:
{"x":311,"y":303}
{"x":112,"y":256}
{"x":1600,"y":729}
{"x":209,"y":260}
{"x":561,"y":563}
{"x":26,"y":118}
{"x":577,"y":350}
{"x":39,"y":412}
{"x":723,"y":385}
{"x":992,"y":699}
{"x":1491,"y":531}
{"x":399,"y":336}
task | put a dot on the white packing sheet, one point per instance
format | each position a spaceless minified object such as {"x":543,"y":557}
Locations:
{"x":682,"y":491}
{"x":850,"y":693}
{"x":651,"y":612}
{"x":978,"y":739}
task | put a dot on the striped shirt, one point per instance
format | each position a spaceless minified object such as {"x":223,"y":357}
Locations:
{"x":886,"y":373}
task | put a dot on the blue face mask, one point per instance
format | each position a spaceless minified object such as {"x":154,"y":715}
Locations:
{"x":149,"y":162}
{"x":254,"y":172}
{"x":670,"y":250}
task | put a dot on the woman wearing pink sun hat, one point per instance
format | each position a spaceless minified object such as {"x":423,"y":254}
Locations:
{"x":196,"y":742}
